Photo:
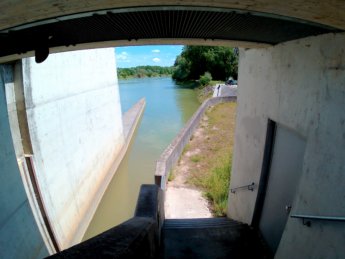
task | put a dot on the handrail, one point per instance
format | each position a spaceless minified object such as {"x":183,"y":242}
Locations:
{"x":307,"y":218}
{"x":249,"y":187}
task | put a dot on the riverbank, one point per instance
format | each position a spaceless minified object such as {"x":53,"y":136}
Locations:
{"x":198,"y":185}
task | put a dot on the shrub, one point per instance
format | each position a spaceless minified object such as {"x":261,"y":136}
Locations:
{"x":205,"y":79}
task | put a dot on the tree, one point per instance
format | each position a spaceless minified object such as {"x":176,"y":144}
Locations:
{"x":144,"y":71}
{"x":194,"y":61}
{"x":181,"y":69}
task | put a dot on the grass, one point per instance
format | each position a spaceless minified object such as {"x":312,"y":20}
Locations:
{"x":195,"y":158}
{"x":214,"y":160}
{"x":171,"y":176}
{"x":217,"y":186}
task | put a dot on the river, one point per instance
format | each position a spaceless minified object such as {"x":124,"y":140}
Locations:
{"x":168,"y":108}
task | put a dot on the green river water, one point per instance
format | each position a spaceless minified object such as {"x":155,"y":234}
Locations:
{"x":168,"y":108}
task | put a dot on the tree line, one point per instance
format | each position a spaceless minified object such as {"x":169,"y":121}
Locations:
{"x":144,"y":71}
{"x":202,"y":63}
{"x":205,"y":63}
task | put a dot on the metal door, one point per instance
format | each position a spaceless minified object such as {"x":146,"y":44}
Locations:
{"x":283,"y":179}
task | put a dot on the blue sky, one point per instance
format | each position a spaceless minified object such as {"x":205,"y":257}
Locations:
{"x":153,"y":55}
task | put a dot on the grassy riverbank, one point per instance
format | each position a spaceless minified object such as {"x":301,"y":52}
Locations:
{"x":206,"y":160}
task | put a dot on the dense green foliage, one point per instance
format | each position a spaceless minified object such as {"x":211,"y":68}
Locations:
{"x":205,"y":79}
{"x":194,"y":61}
{"x":144,"y":71}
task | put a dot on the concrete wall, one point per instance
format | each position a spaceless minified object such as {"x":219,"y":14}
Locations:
{"x":138,"y":237}
{"x":75,"y":126}
{"x":301,"y":85}
{"x":19,"y":235}
{"x":172,"y":153}
{"x":316,"y":11}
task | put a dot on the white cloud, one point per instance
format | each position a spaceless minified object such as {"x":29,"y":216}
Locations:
{"x":122,"y":56}
{"x":156,"y":51}
{"x":156,"y":60}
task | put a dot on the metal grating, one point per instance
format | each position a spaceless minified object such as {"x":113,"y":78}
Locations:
{"x":155,"y":23}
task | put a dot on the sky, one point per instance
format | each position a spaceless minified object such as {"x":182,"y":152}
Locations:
{"x":153,"y":55}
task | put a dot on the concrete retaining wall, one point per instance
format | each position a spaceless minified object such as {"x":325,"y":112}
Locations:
{"x":75,"y":129}
{"x":173,"y":152}
{"x":300,"y":85}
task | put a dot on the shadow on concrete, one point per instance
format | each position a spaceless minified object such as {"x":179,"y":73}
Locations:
{"x":211,"y":238}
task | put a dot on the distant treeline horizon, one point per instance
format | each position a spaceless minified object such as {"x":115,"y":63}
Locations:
{"x":195,"y":63}
{"x":144,"y":71}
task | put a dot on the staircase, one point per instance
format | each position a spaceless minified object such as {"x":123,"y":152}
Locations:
{"x":210,"y":238}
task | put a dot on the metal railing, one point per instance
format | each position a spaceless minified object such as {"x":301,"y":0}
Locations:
{"x":249,"y":187}
{"x":306,"y":219}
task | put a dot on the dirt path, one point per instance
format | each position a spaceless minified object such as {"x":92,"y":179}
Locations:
{"x":184,"y":196}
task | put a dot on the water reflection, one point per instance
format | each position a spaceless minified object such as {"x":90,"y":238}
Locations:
{"x":168,"y":108}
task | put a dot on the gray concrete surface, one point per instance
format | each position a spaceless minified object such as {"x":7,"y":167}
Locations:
{"x":187,"y":238}
{"x":210,"y":238}
{"x":36,"y":13}
{"x":178,"y":206}
{"x":319,"y":12}
{"x":19,"y":234}
{"x":138,"y":237}
{"x":23,"y":13}
{"x":150,"y":204}
{"x":300,"y":85}
{"x":132,"y":239}
{"x":131,"y":119}
{"x":225,"y":90}
{"x":75,"y":124}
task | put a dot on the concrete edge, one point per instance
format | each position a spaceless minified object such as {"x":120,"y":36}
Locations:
{"x":135,"y":111}
{"x":131,"y":117}
{"x":171,"y":154}
{"x":150,"y":204}
{"x":135,"y":238}
{"x":138,"y":237}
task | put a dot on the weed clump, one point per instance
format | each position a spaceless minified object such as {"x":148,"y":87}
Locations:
{"x":195,"y":158}
{"x":216,"y":185}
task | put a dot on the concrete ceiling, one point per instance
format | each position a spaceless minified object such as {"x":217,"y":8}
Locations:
{"x":38,"y":25}
{"x":18,"y":12}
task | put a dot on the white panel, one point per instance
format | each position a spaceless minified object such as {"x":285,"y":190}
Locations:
{"x":75,"y":124}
